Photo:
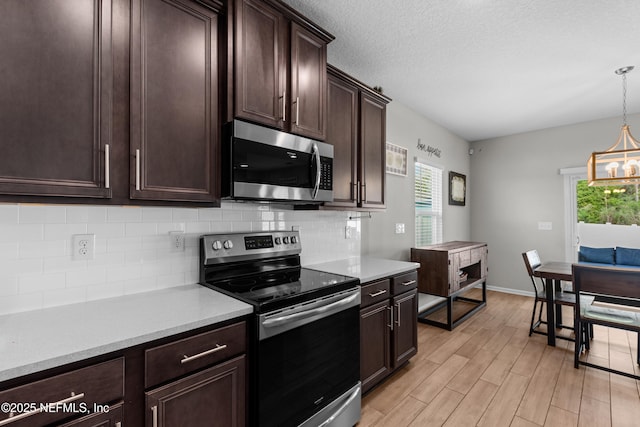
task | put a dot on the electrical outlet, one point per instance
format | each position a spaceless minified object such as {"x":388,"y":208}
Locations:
{"x":399,"y":228}
{"x":83,"y":246}
{"x":349,"y":232}
{"x":176,"y":239}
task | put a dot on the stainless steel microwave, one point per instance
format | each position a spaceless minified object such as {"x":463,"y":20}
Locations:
{"x":259,"y":163}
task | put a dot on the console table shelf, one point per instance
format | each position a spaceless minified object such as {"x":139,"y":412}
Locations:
{"x":447,"y":271}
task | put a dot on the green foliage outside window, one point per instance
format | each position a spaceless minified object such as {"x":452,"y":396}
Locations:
{"x":616,"y":205}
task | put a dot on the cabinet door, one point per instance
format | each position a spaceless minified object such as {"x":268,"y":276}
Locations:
{"x":260,"y":55}
{"x":308,"y":83}
{"x":405,"y":331}
{"x":375,"y":344}
{"x":55,"y":107}
{"x":342,"y":133}
{"x":174,"y":101}
{"x":215,"y":395}
{"x":372,"y":151}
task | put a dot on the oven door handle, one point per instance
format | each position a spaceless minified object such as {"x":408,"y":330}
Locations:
{"x":342,"y":407}
{"x":277,"y":321}
{"x":316,"y":154}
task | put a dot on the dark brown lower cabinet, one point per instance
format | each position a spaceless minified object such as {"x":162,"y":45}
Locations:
{"x":388,"y":327}
{"x":107,"y":418}
{"x":216,"y":394}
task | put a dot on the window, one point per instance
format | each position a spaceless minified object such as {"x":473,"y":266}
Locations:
{"x":428,"y":204}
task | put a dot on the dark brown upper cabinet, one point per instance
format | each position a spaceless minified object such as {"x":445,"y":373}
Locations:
{"x":356,"y":126}
{"x":56,"y":103}
{"x":277,"y":67}
{"x":174,"y":100}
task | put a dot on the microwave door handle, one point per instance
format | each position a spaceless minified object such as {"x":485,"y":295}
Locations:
{"x":316,"y":154}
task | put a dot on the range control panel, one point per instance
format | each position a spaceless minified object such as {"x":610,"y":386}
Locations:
{"x":227,"y":247}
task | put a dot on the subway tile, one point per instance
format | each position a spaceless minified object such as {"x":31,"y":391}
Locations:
{"x":119,"y":273}
{"x":21,"y":266}
{"x":165,"y":228}
{"x":90,"y":276}
{"x":153,"y":269}
{"x":43,"y":249}
{"x":28,"y":283}
{"x":124,"y":214}
{"x":8,"y":250}
{"x":171,"y":280}
{"x":8,"y":214}
{"x":104,"y":290}
{"x":210,"y":214}
{"x":157,"y":214}
{"x":131,"y":257}
{"x":77,"y":214}
{"x":185,"y":214}
{"x":107,"y":259}
{"x":124,"y":244}
{"x":156,"y":242}
{"x":97,"y":214}
{"x":20,"y":302}
{"x":106,"y":230}
{"x":221,"y":227}
{"x":37,"y":214}
{"x":21,"y":232}
{"x":240,"y":226}
{"x":141,"y":229}
{"x":63,"y":297}
{"x":140,"y":285}
{"x":231,"y":215}
{"x":63,"y":231}
{"x":198,"y":227}
{"x":8,"y":285}
{"x":65,"y":263}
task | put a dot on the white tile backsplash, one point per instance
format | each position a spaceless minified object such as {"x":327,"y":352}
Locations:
{"x":132,"y":247}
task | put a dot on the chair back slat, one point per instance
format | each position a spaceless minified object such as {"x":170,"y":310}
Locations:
{"x":612,"y":281}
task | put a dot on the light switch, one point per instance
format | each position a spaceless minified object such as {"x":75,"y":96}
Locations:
{"x":545,"y":225}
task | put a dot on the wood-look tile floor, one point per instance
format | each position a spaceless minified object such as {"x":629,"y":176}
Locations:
{"x":489,"y":372}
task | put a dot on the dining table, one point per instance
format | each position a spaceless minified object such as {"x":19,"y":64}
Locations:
{"x":553,"y":273}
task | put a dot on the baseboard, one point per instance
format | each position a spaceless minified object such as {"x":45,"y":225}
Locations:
{"x":511,"y":291}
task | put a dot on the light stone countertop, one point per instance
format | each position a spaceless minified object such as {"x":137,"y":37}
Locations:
{"x":367,"y":269}
{"x":36,"y":340}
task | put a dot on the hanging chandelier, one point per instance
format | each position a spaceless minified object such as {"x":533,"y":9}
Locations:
{"x":620,"y":163}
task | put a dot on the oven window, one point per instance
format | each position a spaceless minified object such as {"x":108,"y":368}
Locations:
{"x":302,"y":370}
{"x":269,"y":164}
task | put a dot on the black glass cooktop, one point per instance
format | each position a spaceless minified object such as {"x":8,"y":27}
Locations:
{"x":277,"y":289}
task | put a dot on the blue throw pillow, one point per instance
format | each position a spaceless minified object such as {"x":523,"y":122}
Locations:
{"x":599,"y":255}
{"x":627,"y":256}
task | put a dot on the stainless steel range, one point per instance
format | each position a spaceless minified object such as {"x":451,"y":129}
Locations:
{"x":305,"y":357}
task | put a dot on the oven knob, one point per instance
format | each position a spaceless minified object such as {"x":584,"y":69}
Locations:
{"x":228,"y":244}
{"x":216,"y":245}
{"x":278,"y":240}
{"x":285,"y":240}
{"x":294,"y":240}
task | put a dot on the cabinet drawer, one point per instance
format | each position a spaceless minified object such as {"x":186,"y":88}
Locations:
{"x":464,"y":258}
{"x":404,"y":282}
{"x":187,"y":355}
{"x":476,"y":255}
{"x":73,"y":393}
{"x":374,"y":292}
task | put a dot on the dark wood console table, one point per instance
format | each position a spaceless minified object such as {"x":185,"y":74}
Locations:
{"x":449,"y":270}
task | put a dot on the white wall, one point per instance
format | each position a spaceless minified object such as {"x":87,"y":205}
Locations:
{"x":132,"y":247}
{"x":516,"y":183}
{"x":404,"y":128}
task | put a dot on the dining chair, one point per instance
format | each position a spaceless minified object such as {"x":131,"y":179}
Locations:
{"x":615,"y":303}
{"x":531,"y":262}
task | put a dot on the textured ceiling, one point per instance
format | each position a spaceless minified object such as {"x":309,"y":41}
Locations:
{"x":487,"y":68}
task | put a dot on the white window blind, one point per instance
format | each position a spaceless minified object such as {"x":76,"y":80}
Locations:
{"x":428,"y":203}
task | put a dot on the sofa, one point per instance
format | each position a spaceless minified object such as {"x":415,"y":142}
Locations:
{"x":618,"y":256}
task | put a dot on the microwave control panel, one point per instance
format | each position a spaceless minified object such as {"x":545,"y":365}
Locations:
{"x":326,"y":173}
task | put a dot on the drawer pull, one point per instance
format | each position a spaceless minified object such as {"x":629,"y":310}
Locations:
{"x":15,"y":418}
{"x":378,"y":293}
{"x":410,"y":282}
{"x":218,"y":347}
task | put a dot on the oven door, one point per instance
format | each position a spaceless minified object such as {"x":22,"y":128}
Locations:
{"x":271,"y":165}
{"x":309,"y":363}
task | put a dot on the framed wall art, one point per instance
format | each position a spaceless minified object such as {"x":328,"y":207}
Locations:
{"x":457,"y":189}
{"x":396,"y":160}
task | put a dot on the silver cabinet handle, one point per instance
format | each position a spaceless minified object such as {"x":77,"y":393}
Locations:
{"x":390,"y":325}
{"x":410,"y":282}
{"x":154,"y":415}
{"x":378,"y":293}
{"x":297,"y":109}
{"x":342,"y":407}
{"x":24,"y":415}
{"x":107,"y":161}
{"x":316,"y":154}
{"x":138,"y":169}
{"x":398,"y":314}
{"x":217,"y":348}
{"x":284,"y":106}
{"x":364,"y":191}
{"x":358,"y":188}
